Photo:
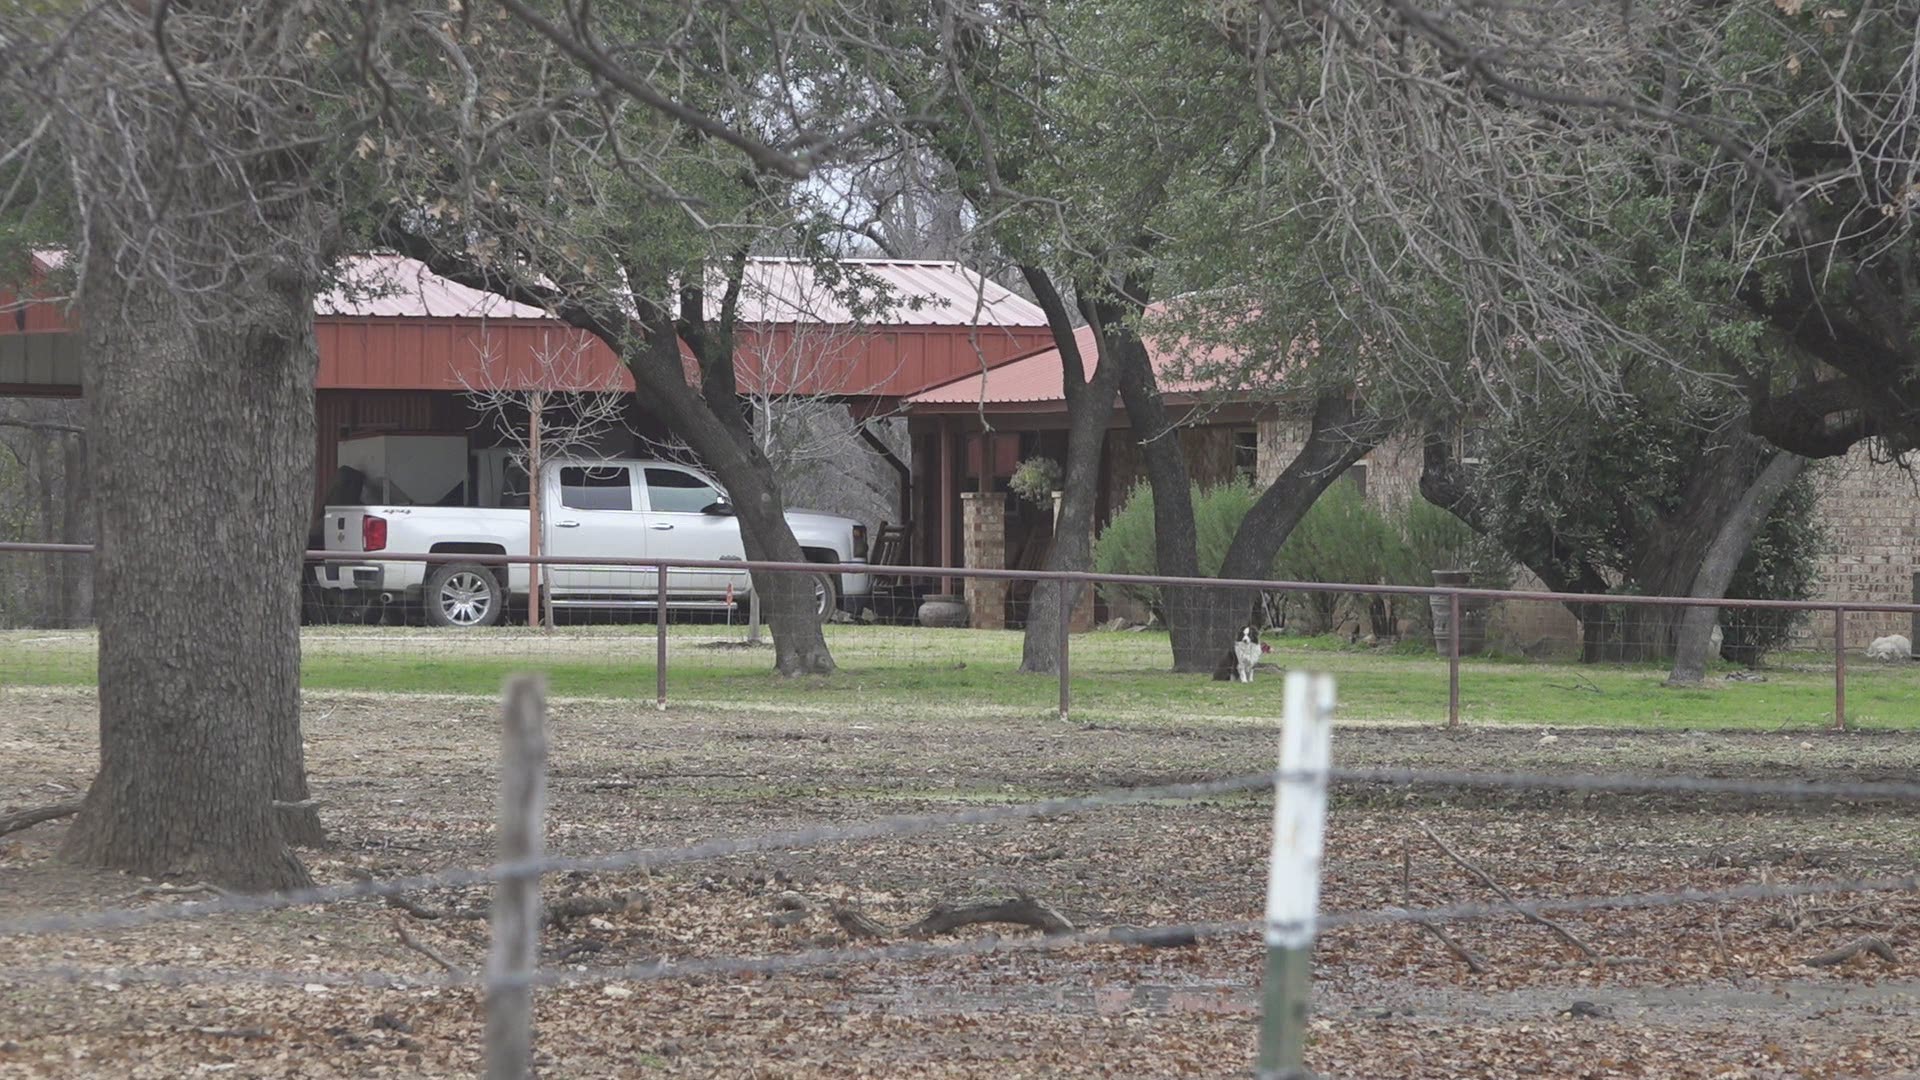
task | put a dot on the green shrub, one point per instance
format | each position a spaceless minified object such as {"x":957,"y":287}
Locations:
{"x":1125,"y":546}
{"x":1342,"y":538}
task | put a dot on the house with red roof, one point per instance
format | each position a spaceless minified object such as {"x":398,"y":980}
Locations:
{"x":970,"y":433}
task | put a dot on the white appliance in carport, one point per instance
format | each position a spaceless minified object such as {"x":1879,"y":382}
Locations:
{"x":409,"y":470}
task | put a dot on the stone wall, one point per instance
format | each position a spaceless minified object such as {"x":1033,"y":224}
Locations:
{"x":1872,"y":512}
{"x":1392,"y":469}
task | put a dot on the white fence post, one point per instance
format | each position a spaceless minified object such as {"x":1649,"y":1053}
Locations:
{"x":515,"y":919}
{"x":1293,"y":883}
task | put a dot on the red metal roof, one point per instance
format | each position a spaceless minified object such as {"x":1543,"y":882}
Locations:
{"x":395,"y":325}
{"x":892,"y":292}
{"x":1037,"y":378}
{"x":908,"y":292}
{"x":396,"y":287}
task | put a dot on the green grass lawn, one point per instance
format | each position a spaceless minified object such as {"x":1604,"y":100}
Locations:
{"x":1115,"y":676}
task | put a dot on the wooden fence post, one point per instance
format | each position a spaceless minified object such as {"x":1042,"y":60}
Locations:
{"x":1293,"y":883}
{"x":515,"y":919}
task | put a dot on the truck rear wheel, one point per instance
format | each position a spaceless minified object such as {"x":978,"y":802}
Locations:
{"x":463,"y":595}
{"x":826,"y":598}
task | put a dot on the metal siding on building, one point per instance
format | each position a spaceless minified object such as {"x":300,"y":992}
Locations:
{"x":425,"y":334}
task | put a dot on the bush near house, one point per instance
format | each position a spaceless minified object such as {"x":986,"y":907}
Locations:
{"x":1342,"y":538}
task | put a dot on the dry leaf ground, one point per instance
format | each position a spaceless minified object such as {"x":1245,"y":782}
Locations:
{"x":407,"y":786}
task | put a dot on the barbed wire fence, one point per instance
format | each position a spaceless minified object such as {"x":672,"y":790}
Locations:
{"x":513,"y":973}
{"x":1300,"y":784}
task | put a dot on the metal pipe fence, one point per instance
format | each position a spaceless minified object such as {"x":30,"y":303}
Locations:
{"x":602,"y":618}
{"x":483,"y":594}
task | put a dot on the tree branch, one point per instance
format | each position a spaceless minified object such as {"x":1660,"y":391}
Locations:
{"x":764,"y":157}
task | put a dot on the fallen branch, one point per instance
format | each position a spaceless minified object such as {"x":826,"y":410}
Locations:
{"x":406,"y":938}
{"x":1474,"y":961}
{"x":179,"y":890}
{"x":1487,"y":879}
{"x":1585,"y":684}
{"x":1851,"y":916}
{"x":29,"y":818}
{"x":1874,"y":946}
{"x":946,"y":918}
{"x":1024,"y":911}
{"x":857,"y":925}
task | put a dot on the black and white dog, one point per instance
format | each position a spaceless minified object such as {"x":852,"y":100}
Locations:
{"x":1237,"y":664}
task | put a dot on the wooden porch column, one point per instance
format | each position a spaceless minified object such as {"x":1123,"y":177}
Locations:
{"x":949,"y":498}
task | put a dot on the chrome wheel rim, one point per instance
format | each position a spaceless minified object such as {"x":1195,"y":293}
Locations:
{"x":466,"y":599}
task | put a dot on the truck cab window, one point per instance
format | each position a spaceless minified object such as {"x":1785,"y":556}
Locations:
{"x":602,"y":487}
{"x":670,"y":491}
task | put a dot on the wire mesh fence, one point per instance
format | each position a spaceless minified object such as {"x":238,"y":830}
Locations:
{"x":454,"y":622}
{"x":773,"y":788}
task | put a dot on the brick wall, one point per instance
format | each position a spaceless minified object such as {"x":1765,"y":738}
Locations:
{"x":983,"y":541}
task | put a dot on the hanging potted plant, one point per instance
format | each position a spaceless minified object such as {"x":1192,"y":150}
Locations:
{"x":1036,"y":480}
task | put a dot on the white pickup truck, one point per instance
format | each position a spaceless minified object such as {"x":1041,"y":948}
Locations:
{"x":617,"y":510}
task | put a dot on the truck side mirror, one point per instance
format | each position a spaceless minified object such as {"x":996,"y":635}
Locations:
{"x":723,"y":508}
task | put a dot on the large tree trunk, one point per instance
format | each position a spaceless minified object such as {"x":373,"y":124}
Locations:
{"x":1722,"y":558}
{"x":1342,"y":433}
{"x":1671,"y":547}
{"x":1176,"y":545}
{"x":202,"y":495}
{"x":1089,"y":407}
{"x":786,"y":599}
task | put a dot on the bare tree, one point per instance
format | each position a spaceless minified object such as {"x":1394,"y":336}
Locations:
{"x":1720,"y":192}
{"x":535,"y":424}
{"x":802,"y":359}
{"x":200,"y":234}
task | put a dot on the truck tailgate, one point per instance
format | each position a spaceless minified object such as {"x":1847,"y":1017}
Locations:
{"x":344,"y":528}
